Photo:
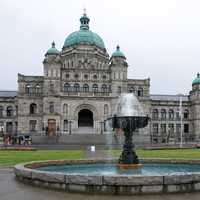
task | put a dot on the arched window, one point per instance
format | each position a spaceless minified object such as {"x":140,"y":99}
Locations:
{"x":106,"y":109}
{"x":37,"y":89}
{"x":76,"y":76}
{"x":85,"y":88}
{"x":9,"y":111}
{"x":95,"y":77}
{"x":171,"y":114}
{"x":65,"y":109}
{"x":85,"y":76}
{"x":1,"y":111}
{"x":131,"y":90}
{"x":140,"y":92}
{"x":67,"y":87}
{"x":76,"y":87}
{"x":155,"y":114}
{"x":186,"y":114}
{"x":51,"y":107}
{"x":27,"y":89}
{"x":163,"y":114}
{"x":95,"y":88}
{"x":104,"y":88}
{"x":33,"y":108}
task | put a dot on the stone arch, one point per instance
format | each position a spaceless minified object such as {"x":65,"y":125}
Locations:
{"x":85,"y":118}
{"x":87,"y":107}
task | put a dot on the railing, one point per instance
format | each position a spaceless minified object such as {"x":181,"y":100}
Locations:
{"x":83,"y":94}
{"x":31,"y":94}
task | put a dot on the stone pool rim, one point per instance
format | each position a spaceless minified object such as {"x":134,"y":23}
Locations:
{"x":109,"y":184}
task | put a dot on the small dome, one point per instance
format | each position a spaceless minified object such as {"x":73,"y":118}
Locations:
{"x":196,"y":80}
{"x":118,"y":53}
{"x":52,"y":50}
{"x":84,"y":35}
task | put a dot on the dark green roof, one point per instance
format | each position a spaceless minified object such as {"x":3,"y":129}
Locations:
{"x":52,"y":50}
{"x":118,"y":53}
{"x":84,"y":35}
{"x":196,"y":80}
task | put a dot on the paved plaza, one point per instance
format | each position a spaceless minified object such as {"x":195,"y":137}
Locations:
{"x":10,"y":189}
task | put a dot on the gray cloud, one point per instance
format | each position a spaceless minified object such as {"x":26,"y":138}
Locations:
{"x":159,"y":38}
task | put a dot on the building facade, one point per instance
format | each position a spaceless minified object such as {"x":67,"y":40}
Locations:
{"x":79,"y":90}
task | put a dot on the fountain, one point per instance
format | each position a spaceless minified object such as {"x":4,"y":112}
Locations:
{"x":128,"y":118}
{"x":103,"y":176}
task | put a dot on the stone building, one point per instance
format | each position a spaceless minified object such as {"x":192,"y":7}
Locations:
{"x":79,"y":89}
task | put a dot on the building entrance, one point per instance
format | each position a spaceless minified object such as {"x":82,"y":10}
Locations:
{"x":51,"y":127}
{"x":85,"y":118}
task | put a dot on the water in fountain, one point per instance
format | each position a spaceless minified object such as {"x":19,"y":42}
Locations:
{"x":128,"y":105}
{"x":109,"y":138}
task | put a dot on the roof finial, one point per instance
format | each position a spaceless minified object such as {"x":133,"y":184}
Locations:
{"x":84,"y":21}
{"x":53,"y":44}
{"x":118,"y":47}
{"x":198,"y":75}
{"x":84,"y":12}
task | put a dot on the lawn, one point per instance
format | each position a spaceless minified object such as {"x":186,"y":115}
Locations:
{"x":170,"y":153}
{"x":10,"y":158}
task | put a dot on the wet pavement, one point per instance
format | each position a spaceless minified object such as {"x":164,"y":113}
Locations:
{"x":11,"y":189}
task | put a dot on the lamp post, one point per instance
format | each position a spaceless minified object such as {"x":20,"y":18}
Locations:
{"x":181,"y":119}
{"x":70,"y":127}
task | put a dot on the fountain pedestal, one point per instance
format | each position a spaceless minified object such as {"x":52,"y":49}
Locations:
{"x":128,"y":158}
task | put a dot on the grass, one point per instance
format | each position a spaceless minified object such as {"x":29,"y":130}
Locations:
{"x":170,"y":153}
{"x":11,"y":158}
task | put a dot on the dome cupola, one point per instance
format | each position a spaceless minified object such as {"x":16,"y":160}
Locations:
{"x":196,"y":80}
{"x":118,"y":53}
{"x":52,"y":50}
{"x":84,"y":35}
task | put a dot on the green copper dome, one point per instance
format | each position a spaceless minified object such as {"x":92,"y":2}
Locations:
{"x":84,"y":35}
{"x":52,"y":50}
{"x":196,"y":80}
{"x":118,"y":53}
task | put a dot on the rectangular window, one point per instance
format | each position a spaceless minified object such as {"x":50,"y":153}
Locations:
{"x":155,"y":128}
{"x":163,"y":128}
{"x":186,"y":128}
{"x":185,"y":115}
{"x":171,"y":128}
{"x":32,"y":125}
{"x":1,"y":127}
{"x":119,"y":89}
{"x":178,"y":128}
{"x":178,"y":117}
{"x":65,"y":125}
{"x":9,"y":127}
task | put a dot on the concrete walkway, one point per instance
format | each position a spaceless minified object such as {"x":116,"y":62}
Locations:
{"x":10,"y":189}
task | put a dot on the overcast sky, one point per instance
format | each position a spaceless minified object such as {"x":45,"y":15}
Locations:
{"x":160,"y":38}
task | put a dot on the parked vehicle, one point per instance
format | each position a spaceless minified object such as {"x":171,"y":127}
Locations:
{"x":22,"y":139}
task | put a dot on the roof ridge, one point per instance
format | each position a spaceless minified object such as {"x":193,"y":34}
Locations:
{"x":168,"y":94}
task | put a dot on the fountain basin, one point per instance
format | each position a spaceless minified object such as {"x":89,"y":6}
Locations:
{"x":122,"y":184}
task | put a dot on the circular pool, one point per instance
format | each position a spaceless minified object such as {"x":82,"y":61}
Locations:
{"x":103,"y":177}
{"x":148,"y":169}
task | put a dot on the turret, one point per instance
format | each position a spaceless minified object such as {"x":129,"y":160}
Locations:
{"x":195,"y":106}
{"x":52,"y":66}
{"x":118,"y":66}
